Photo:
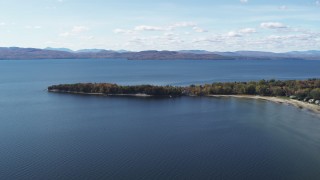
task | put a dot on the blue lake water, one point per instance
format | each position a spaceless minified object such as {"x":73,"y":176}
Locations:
{"x":58,"y":136}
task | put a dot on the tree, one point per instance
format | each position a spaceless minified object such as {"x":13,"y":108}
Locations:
{"x":263,"y":90}
{"x":278,"y":91}
{"x":251,"y":89}
{"x":315,"y":93}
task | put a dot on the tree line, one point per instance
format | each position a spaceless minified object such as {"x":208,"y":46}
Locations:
{"x":113,"y":89}
{"x":300,"y":89}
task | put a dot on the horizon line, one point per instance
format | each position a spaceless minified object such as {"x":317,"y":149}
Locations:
{"x":162,"y":50}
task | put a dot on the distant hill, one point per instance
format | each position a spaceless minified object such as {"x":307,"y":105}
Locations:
{"x":172,"y":55}
{"x":310,"y":53}
{"x":11,"y":53}
{"x":301,"y":55}
{"x":59,"y":49}
{"x":82,"y":50}
{"x":32,"y":53}
{"x":196,"y":52}
{"x":90,"y":50}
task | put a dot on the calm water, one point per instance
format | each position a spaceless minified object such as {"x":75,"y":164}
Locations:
{"x":56,"y":136}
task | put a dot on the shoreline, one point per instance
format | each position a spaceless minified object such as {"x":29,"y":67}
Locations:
{"x":292,"y":102}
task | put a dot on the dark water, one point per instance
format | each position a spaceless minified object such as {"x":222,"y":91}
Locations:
{"x":56,"y":136}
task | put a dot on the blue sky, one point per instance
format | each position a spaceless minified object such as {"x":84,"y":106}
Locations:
{"x":229,"y":25}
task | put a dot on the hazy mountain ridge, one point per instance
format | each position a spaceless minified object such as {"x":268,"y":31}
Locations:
{"x":11,"y":53}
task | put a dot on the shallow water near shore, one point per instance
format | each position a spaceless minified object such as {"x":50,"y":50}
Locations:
{"x":58,"y":136}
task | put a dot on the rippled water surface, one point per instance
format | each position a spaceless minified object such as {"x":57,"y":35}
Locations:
{"x":57,"y":136}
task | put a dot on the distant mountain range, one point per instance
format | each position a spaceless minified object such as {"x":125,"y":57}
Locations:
{"x":12,"y":53}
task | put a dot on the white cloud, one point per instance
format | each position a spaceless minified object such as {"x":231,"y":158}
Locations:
{"x":272,"y":25}
{"x":76,"y":30}
{"x":169,"y":34}
{"x":233,"y":40}
{"x":241,"y":32}
{"x":184,"y":24}
{"x":86,"y":38}
{"x":233,"y":34}
{"x":292,"y":37}
{"x":79,"y":29}
{"x":247,"y":31}
{"x":123,"y":31}
{"x":199,"y":30}
{"x":244,"y":1}
{"x":165,"y":28}
{"x":171,"y":27}
{"x":318,"y":3}
{"x":149,"y":28}
{"x":238,"y":39}
{"x":2,"y":23}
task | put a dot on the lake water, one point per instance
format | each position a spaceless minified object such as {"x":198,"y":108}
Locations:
{"x":58,"y":136}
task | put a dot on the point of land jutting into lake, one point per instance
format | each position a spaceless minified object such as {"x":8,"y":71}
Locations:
{"x":300,"y":93}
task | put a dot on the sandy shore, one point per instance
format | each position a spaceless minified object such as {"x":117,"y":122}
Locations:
{"x":299,"y":104}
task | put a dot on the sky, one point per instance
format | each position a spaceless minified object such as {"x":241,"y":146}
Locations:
{"x":228,"y":25}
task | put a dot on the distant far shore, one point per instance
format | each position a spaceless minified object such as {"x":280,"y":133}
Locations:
{"x":16,"y":53}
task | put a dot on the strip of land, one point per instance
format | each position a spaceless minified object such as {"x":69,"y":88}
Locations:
{"x":299,"y":93}
{"x":98,"y":94}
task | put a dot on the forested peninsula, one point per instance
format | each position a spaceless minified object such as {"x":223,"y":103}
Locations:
{"x":299,"y":93}
{"x":303,"y":90}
